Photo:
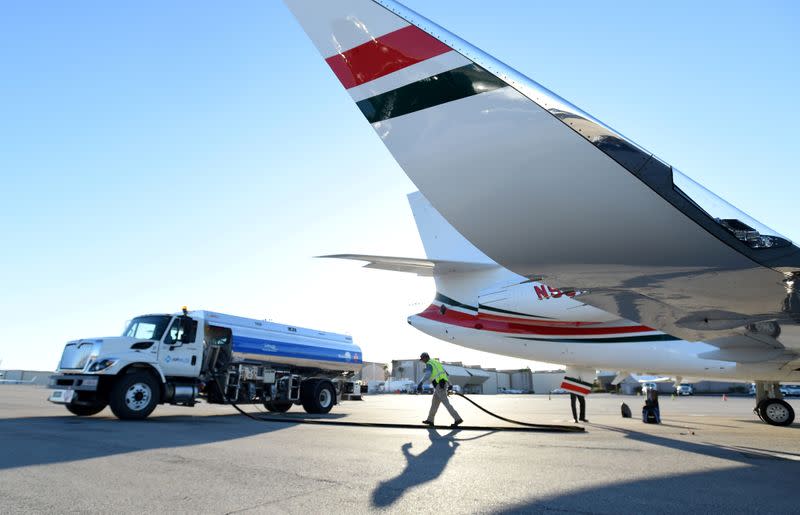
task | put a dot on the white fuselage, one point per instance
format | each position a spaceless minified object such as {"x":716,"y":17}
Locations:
{"x":528,"y":320}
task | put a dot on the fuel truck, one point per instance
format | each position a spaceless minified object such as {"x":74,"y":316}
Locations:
{"x":184,"y":357}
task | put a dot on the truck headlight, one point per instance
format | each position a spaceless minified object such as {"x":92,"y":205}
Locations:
{"x":102,"y":364}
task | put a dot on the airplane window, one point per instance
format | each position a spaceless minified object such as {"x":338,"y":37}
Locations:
{"x":745,"y":228}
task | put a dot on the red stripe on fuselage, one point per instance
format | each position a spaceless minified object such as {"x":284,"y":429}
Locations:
{"x":523,"y":326}
{"x":576,"y":389}
{"x":384,"y":55}
{"x":535,"y":321}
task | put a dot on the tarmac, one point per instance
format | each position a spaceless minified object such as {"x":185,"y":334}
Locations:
{"x":708,"y":456}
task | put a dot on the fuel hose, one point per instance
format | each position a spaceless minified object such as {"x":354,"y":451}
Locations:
{"x":518,"y":427}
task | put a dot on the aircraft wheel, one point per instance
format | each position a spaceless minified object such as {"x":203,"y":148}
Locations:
{"x":776,"y":412}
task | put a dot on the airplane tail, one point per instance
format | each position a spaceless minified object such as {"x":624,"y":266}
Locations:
{"x":440,"y":239}
{"x":446,"y":251}
{"x":456,"y":265}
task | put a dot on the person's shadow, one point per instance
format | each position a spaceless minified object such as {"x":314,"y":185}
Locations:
{"x":425,"y":466}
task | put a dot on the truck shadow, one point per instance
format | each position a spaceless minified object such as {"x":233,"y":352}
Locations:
{"x":300,"y":416}
{"x":57,"y":439}
{"x":421,"y":468}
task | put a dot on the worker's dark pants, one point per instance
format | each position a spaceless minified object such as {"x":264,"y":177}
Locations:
{"x":582,"y":400}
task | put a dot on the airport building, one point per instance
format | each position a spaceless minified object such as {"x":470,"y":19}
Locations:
{"x":545,"y":381}
{"x":472,"y":379}
{"x":525,"y":380}
{"x":40,"y":377}
{"x":478,"y":380}
{"x":372,"y":372}
{"x":631,"y":386}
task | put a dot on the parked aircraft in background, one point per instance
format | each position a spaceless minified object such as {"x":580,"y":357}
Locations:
{"x":644,"y":245}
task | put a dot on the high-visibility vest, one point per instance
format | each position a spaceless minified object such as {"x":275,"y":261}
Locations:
{"x":437,"y":371}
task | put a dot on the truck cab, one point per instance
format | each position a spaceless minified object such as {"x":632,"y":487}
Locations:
{"x":173,"y":341}
{"x":159,"y":350}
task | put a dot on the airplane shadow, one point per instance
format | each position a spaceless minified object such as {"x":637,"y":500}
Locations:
{"x":421,"y":468}
{"x":795,"y":424}
{"x":762,"y":481}
{"x":56,"y":439}
{"x":714,"y":451}
{"x":720,"y":491}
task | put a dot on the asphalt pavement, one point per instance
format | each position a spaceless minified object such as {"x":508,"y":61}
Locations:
{"x":708,"y":456}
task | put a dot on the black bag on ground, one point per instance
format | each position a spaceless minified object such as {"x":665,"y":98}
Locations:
{"x":626,"y":411}
{"x":650,"y":414}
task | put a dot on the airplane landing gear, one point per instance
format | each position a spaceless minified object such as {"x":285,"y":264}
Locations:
{"x":770,"y":407}
{"x":776,"y":412}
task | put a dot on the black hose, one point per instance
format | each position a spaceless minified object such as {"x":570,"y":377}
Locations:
{"x":526,"y":424}
{"x":526,"y":427}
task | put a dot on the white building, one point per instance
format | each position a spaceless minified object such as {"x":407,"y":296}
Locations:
{"x":373,"y":372}
{"x":472,"y":379}
{"x":529,"y":381}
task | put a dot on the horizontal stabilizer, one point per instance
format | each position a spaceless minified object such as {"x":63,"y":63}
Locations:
{"x":422,"y":267}
{"x":653,"y":379}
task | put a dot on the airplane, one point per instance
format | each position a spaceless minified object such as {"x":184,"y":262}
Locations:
{"x":482,"y":305}
{"x":638,"y":239}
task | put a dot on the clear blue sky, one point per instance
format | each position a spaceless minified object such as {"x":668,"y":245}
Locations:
{"x":156,"y":154}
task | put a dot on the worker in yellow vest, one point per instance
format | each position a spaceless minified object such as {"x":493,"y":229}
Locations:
{"x":438,"y":377}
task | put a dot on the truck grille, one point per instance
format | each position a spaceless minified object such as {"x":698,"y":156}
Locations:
{"x":75,"y":355}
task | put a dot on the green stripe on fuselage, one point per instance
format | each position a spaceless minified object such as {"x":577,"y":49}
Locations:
{"x":429,"y":92}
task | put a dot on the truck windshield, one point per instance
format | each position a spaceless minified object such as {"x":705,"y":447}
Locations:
{"x":148,"y":327}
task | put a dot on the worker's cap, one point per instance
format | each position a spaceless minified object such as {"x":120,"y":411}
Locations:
{"x":424,"y":356}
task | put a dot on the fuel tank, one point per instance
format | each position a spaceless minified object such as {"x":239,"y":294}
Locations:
{"x":271,"y":342}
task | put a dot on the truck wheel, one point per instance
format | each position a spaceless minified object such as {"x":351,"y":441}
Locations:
{"x":134,"y":396}
{"x":214,"y":393}
{"x":277,"y":406}
{"x":776,"y":412}
{"x":86,"y":410}
{"x":318,"y":396}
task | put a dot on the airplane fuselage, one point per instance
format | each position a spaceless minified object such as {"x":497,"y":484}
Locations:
{"x":528,"y":320}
